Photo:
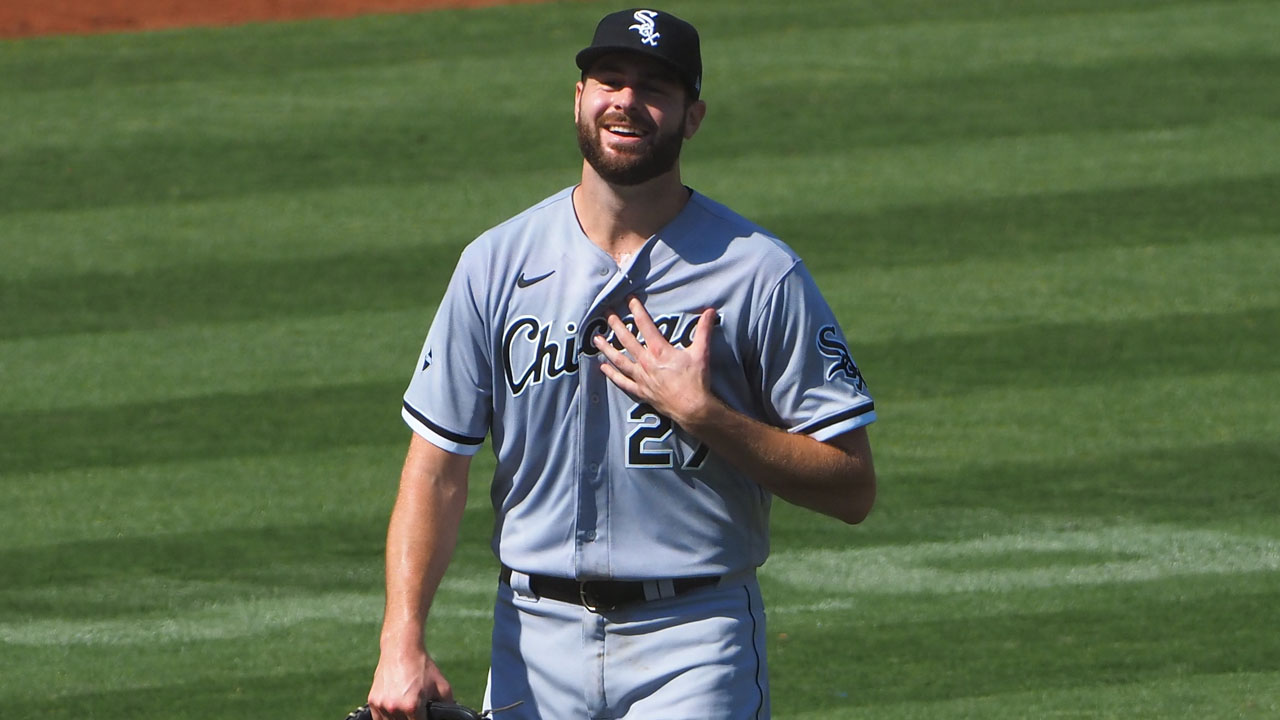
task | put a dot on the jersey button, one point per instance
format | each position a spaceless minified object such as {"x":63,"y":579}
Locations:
{"x":603,"y":271}
{"x":595,"y":398}
{"x":593,"y":467}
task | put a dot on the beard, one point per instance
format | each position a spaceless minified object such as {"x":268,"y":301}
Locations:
{"x":629,"y":167}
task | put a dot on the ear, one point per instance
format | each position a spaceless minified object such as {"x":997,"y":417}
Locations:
{"x":693,"y":116}
{"x":577,"y":101}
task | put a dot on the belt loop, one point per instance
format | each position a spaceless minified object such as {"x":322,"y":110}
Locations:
{"x":659,"y":590}
{"x":651,"y":591}
{"x":587,"y":600}
{"x":520,"y":584}
{"x":666,"y":589}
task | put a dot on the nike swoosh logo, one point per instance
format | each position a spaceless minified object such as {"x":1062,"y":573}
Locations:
{"x":524,"y":282}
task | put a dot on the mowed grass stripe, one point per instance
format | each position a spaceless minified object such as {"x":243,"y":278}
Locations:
{"x":1024,"y":422}
{"x":243,"y":618}
{"x":419,"y":144}
{"x":1224,"y":270}
{"x":892,"y":608}
{"x":224,"y":292}
{"x":126,"y":369}
{"x":204,"y":55}
{"x":325,"y":657}
{"x":157,"y":291}
{"x":167,"y":540}
{"x":1147,"y":94}
{"x":929,"y":46}
{"x":318,"y":46}
{"x":414,"y":221}
{"x":1241,"y":696}
{"x":869,"y":663}
{"x":1102,"y":491}
{"x":1083,"y":161}
{"x":1222,"y":275}
{"x":173,"y":159}
{"x":1001,"y":563}
{"x":1081,"y":353}
{"x":151,"y":576}
{"x":307,"y":130}
{"x":240,"y":422}
{"x":197,"y":360}
{"x":1106,"y":647}
{"x":930,"y":34}
{"x":994,"y":565}
{"x":309,"y":225}
{"x":1029,"y":227}
{"x":381,"y":133}
{"x":289,"y":420}
{"x":1065,"y":424}
{"x":1216,"y":482}
{"x":255,"y":690}
{"x":215,"y":494}
{"x":268,"y":615}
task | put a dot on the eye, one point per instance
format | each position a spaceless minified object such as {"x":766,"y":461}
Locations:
{"x":658,"y":87}
{"x":611,"y":81}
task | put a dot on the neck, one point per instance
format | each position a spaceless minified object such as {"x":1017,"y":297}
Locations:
{"x":619,"y":219}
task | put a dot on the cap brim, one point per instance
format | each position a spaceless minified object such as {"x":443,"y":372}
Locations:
{"x":588,"y":57}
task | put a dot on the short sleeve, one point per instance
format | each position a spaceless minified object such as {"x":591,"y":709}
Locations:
{"x":449,"y":401}
{"x":810,"y":382}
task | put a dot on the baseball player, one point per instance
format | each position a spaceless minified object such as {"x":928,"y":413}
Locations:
{"x":652,"y":369}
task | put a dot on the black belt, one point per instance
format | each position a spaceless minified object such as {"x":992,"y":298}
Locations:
{"x":602,"y":595}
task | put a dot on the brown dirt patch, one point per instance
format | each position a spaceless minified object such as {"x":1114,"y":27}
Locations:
{"x":19,"y":18}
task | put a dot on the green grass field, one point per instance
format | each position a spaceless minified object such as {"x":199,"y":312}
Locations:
{"x":1051,"y":230}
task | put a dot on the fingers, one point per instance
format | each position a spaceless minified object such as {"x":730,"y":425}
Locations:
{"x":702,"y":331}
{"x":619,"y":367}
{"x":444,"y":691}
{"x":402,"y":687}
{"x":611,"y":353}
{"x":644,"y":323}
{"x":415,"y":710}
{"x":655,"y":343}
{"x":624,"y":383}
{"x":644,"y":326}
{"x":385,"y":713}
{"x":627,"y":339}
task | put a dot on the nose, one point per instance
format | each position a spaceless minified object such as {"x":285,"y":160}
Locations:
{"x":624,"y":97}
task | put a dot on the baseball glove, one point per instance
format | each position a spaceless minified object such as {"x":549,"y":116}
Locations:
{"x":435,"y":711}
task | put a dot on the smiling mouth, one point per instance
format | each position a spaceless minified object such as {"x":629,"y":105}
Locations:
{"x":623,"y":129}
{"x":625,"y":132}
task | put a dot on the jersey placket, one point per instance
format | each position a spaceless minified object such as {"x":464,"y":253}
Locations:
{"x":592,"y":541}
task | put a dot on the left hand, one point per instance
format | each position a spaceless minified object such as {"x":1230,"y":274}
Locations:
{"x":675,"y":381}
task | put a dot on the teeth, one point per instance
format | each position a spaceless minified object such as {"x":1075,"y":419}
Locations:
{"x":621,"y":130}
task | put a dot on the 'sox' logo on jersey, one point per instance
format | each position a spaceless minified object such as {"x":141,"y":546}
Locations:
{"x":830,"y":345}
{"x":530,"y":355}
{"x":646,"y":27}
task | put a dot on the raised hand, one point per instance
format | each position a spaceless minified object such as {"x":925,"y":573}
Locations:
{"x":675,"y":381}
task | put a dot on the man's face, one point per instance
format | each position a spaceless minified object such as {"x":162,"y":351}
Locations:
{"x":633,"y":115}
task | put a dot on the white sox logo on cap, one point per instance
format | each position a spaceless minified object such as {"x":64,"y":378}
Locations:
{"x":646,"y":27}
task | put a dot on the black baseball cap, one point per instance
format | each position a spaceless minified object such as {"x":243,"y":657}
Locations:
{"x":653,"y":33}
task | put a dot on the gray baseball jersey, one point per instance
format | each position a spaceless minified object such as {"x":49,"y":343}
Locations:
{"x":589,"y":482}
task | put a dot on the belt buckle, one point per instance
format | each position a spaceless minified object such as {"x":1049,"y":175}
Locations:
{"x":589,"y":601}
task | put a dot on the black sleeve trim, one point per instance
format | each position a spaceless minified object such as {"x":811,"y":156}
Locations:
{"x":446,"y":434}
{"x":836,"y":419}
